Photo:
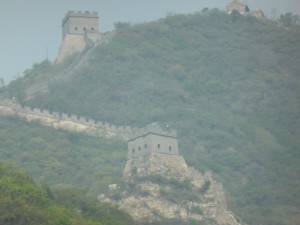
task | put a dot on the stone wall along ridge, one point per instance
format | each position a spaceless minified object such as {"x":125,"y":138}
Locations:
{"x":57,"y":120}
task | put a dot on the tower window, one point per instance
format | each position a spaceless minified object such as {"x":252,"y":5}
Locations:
{"x":139,"y":148}
{"x":133,"y":150}
{"x":158,"y":146}
{"x":84,"y":28}
{"x":76,"y":28}
{"x":170,"y":148}
{"x":92,"y":28}
{"x":145,"y":146}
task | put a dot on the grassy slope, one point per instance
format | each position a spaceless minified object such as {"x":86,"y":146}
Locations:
{"x":229,"y":85}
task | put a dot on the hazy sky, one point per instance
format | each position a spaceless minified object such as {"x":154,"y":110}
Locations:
{"x":29,"y":28}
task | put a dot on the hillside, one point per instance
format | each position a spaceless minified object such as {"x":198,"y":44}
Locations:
{"x":228,"y":84}
{"x":62,"y":159}
{"x":23,"y":202}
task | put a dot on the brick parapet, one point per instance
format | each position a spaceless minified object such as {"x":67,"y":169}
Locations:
{"x":100,"y":128}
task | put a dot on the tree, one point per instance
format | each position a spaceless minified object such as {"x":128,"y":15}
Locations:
{"x":289,"y":20}
{"x":121,"y":25}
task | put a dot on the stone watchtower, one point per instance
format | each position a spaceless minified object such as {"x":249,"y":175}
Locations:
{"x":152,"y":147}
{"x":152,"y":139}
{"x":79,"y":30}
{"x":243,"y":9}
{"x":79,"y":23}
{"x":237,"y":5}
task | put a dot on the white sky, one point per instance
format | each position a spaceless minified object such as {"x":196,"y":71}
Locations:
{"x":29,"y":27}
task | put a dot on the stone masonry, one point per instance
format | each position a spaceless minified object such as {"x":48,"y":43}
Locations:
{"x":79,"y":30}
{"x":158,"y":184}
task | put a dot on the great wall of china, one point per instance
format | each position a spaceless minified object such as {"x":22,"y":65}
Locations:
{"x":74,"y":123}
{"x":81,"y":58}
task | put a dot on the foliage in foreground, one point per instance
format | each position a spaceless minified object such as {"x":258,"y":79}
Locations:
{"x":22,"y":202}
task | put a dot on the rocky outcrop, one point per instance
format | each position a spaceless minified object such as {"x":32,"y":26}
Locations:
{"x":164,"y":187}
{"x":156,"y":186}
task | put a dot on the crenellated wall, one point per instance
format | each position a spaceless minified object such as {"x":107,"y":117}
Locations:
{"x":70,"y":122}
{"x":93,"y":127}
{"x":79,"y":23}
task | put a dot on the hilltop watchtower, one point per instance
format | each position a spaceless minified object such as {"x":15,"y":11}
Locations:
{"x":79,"y":30}
{"x":152,"y":139}
{"x":243,"y":9}
{"x":237,"y":5}
{"x":79,"y":23}
{"x":152,"y":147}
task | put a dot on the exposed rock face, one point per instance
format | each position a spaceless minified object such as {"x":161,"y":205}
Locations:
{"x":164,"y":187}
{"x":157,"y":185}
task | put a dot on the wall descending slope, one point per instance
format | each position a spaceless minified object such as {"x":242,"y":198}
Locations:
{"x":66,"y":73}
{"x":66,"y":121}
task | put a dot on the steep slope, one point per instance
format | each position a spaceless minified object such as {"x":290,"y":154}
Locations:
{"x":160,"y":187}
{"x":229,"y":85}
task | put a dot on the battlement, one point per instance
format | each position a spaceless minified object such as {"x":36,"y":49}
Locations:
{"x":142,"y":142}
{"x":63,"y":120}
{"x":80,"y":23}
{"x":80,"y":123}
{"x":153,"y":129}
{"x":80,"y":14}
{"x":80,"y":31}
{"x":152,"y":139}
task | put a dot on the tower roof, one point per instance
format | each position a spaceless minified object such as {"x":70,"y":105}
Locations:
{"x":79,"y":14}
{"x":153,"y":129}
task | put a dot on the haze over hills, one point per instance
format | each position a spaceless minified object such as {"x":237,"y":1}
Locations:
{"x":228,"y":84}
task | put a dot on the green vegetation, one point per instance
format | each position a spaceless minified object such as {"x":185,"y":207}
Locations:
{"x":205,"y":187}
{"x":22,"y":202}
{"x":62,"y":159}
{"x":228,"y":84}
{"x":170,"y":189}
{"x":289,"y":20}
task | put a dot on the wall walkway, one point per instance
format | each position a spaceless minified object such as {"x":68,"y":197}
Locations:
{"x":75,"y":123}
{"x":66,"y":73}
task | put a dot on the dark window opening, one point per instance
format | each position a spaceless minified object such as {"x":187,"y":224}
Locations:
{"x":170,"y":148}
{"x":133,"y":150}
{"x":158,"y":146}
{"x":84,"y":28}
{"x":145,"y":146}
{"x":76,"y":28}
{"x":92,"y":28}
{"x":139,"y":148}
